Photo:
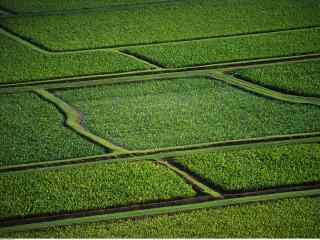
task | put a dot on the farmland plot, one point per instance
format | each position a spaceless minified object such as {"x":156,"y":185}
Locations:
{"x":152,"y":24}
{"x":256,"y":169}
{"x":205,"y":112}
{"x":32,"y":130}
{"x":298,"y":79}
{"x":19,"y":63}
{"x":233,"y":49}
{"x":186,"y":111}
{"x":88,"y":187}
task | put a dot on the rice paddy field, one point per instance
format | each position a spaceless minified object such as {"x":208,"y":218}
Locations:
{"x":157,"y":118}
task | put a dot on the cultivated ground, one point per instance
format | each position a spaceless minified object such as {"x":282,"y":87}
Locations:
{"x":146,"y":118}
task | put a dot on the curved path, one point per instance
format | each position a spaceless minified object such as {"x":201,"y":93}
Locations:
{"x":255,"y":88}
{"x":73,"y":121}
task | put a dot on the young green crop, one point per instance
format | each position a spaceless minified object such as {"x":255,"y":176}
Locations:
{"x":20,"y":63}
{"x":297,"y":79}
{"x":88,"y":187}
{"x":254,"y":169}
{"x":188,"y":19}
{"x":279,"y":219}
{"x":32,"y":130}
{"x":240,"y":48}
{"x":186,"y":111}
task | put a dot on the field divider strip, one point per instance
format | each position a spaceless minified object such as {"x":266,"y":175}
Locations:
{"x":73,"y":121}
{"x":265,"y":91}
{"x":313,"y":137}
{"x":24,"y":41}
{"x":151,"y":74}
{"x":139,"y":58}
{"x":163,"y":210}
{"x":44,"y":217}
{"x":190,"y":179}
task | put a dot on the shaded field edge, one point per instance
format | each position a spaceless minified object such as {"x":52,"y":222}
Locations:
{"x":139,"y":58}
{"x":243,"y":191}
{"x":197,"y":185}
{"x":271,"y":86}
{"x":143,"y":75}
{"x":161,"y":210}
{"x":18,"y":220}
{"x":158,"y":154}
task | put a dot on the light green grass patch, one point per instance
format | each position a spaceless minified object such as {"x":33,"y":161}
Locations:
{"x":88,"y":187}
{"x":165,"y":113}
{"x":290,"y":218}
{"x":298,"y":79}
{"x":32,"y":130}
{"x":188,"y":19}
{"x":256,"y":169}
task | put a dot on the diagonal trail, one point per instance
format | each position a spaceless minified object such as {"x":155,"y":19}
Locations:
{"x":73,"y":121}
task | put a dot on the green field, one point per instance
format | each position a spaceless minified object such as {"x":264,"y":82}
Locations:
{"x":297,"y":79}
{"x":185,"y":111}
{"x":167,"y":22}
{"x":88,"y":187}
{"x":233,"y":49}
{"x":286,"y":218}
{"x":158,"y":118}
{"x":32,"y":130}
{"x":19,"y":63}
{"x":256,"y":169}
